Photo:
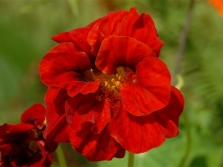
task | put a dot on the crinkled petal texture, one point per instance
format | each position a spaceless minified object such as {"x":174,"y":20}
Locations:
{"x":61,"y":67}
{"x":138,"y":134}
{"x":56,"y":124}
{"x":78,"y":37}
{"x":95,"y":147}
{"x":88,"y":108}
{"x":124,"y":23}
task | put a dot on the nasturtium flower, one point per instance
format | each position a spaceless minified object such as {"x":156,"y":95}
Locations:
{"x":108,"y":91}
{"x":218,"y":4}
{"x":23,"y":144}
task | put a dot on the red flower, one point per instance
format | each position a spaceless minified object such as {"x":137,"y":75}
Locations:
{"x":108,"y":90}
{"x":23,"y":144}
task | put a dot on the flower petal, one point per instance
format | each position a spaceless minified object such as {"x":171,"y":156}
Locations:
{"x":62,"y":64}
{"x":75,"y":87}
{"x":123,"y":23}
{"x":168,"y":117}
{"x":78,"y":37}
{"x":95,"y":147}
{"x":141,"y":24}
{"x":34,"y":115}
{"x":88,"y":108}
{"x":151,"y":91}
{"x":104,"y":28}
{"x":136,"y":134}
{"x":121,"y":51}
{"x":7,"y":129}
{"x":9,"y":149}
{"x":56,"y":124}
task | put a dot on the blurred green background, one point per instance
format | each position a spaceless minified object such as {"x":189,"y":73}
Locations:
{"x":26,"y":27}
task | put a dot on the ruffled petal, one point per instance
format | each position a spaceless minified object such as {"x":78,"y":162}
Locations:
{"x":62,"y":64}
{"x":104,"y":28}
{"x":88,"y":108}
{"x":75,"y":87}
{"x":121,"y":51}
{"x":56,"y":124}
{"x":168,"y":117}
{"x":136,"y":134}
{"x":78,"y":37}
{"x":95,"y":147}
{"x":151,"y":91}
{"x":142,"y":29}
{"x":34,"y":115}
{"x":124,"y":23}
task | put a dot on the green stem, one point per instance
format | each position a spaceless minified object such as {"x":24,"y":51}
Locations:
{"x":60,"y":156}
{"x":188,"y":143}
{"x":131,"y":160}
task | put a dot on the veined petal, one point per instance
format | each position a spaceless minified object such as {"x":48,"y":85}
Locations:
{"x":151,"y":91}
{"x":88,"y":108}
{"x":137,"y":134}
{"x":34,"y":115}
{"x":56,"y":124}
{"x":62,"y":64}
{"x":95,"y":147}
{"x":118,"y":51}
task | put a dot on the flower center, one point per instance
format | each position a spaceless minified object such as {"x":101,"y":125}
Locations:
{"x":110,"y":84}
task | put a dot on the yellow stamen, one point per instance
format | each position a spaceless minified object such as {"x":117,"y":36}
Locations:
{"x":106,"y":83}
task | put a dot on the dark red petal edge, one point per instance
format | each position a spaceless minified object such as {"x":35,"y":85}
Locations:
{"x":95,"y":147}
{"x":56,"y":124}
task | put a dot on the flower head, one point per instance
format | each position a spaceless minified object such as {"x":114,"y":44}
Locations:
{"x":108,"y":89}
{"x":23,"y":144}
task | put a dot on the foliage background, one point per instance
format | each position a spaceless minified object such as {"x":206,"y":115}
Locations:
{"x":26,"y":27}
